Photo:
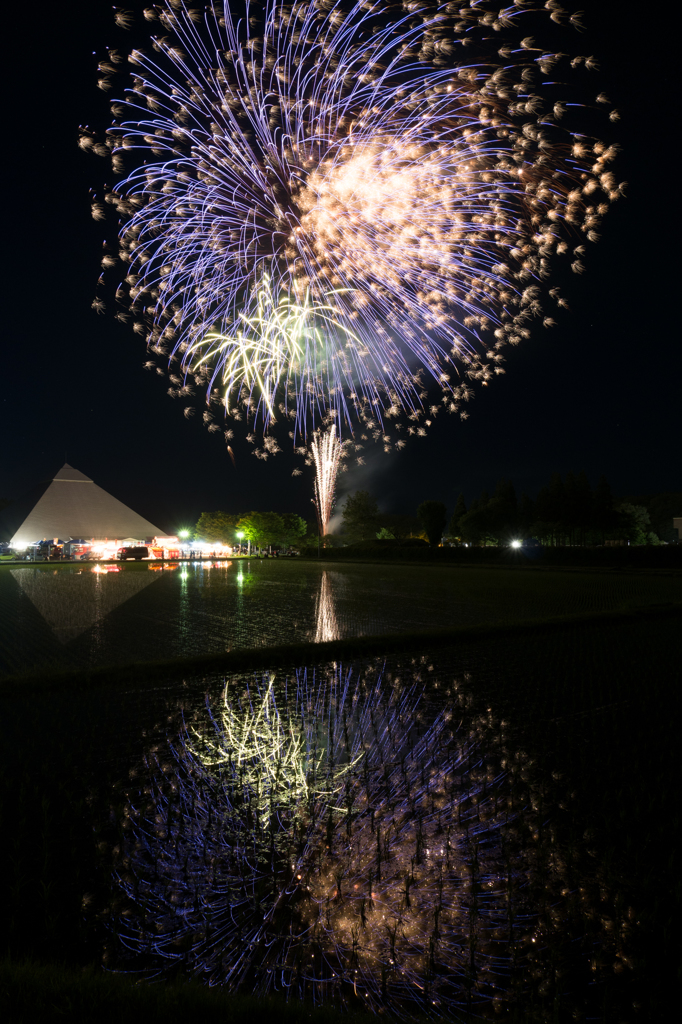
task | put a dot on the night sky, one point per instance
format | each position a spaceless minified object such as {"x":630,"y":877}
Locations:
{"x":599,"y":392}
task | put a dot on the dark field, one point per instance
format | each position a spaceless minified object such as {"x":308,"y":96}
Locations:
{"x":585,"y":713}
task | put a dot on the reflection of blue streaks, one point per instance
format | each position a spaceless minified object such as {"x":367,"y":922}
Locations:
{"x":326,"y":839}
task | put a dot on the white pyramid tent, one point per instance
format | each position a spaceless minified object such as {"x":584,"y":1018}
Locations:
{"x":71,"y":506}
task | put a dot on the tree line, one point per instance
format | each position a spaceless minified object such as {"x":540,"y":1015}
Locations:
{"x":566,"y":511}
{"x":362,"y":520}
{"x":260,"y":529}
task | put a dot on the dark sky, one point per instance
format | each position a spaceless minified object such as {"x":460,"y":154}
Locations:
{"x":600,"y":392}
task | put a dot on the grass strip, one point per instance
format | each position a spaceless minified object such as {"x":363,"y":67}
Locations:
{"x":148,"y":673}
{"x":32,"y":992}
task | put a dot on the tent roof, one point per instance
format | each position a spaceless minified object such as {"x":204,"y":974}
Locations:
{"x":71,"y":505}
{"x":72,"y":475}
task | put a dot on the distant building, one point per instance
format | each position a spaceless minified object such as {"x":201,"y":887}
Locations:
{"x":677,"y":525}
{"x":70,"y":506}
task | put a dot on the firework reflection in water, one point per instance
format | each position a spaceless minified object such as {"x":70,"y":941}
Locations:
{"x":329,"y":838}
{"x":327,"y":626}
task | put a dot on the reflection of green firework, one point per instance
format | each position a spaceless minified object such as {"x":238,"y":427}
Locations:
{"x":269,"y":750}
{"x":323,"y":838}
{"x":282,"y":336}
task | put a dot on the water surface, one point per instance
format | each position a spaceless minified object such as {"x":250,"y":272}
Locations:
{"x":71,"y":616}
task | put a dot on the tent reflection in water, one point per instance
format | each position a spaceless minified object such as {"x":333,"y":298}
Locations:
{"x":70,"y":506}
{"x":73,"y":602}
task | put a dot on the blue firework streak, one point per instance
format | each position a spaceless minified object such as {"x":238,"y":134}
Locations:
{"x":342,"y":206}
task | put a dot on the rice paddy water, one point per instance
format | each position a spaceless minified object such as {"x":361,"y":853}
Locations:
{"x":83,"y":615}
{"x":458,"y":833}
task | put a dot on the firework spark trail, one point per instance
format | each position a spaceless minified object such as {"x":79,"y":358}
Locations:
{"x":327,"y":626}
{"x":326,"y":452}
{"x":341,"y":207}
{"x":325,"y":838}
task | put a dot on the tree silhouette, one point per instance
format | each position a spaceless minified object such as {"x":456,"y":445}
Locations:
{"x":432,"y":516}
{"x":360,"y":516}
{"x":454,"y":528}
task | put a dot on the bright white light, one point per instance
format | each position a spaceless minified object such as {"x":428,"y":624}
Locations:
{"x":516,"y":543}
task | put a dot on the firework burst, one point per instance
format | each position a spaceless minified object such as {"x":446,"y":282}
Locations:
{"x":334,"y":210}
